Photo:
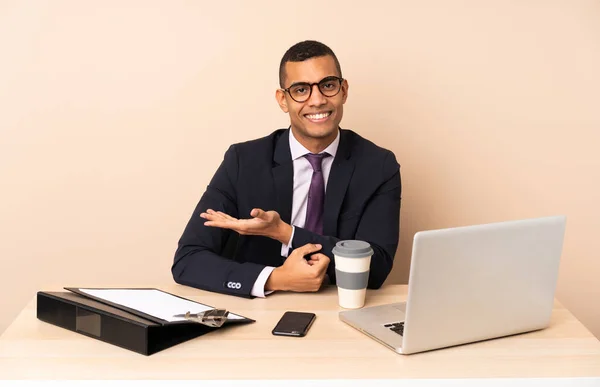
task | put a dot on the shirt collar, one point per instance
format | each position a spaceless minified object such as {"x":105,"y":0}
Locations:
{"x":298,"y":150}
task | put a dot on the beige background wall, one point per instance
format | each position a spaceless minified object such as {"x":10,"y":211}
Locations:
{"x":115,"y":114}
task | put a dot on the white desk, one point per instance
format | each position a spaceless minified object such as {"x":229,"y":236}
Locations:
{"x":31,"y":349}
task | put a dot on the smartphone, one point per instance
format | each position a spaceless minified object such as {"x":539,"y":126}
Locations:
{"x":294,"y":324}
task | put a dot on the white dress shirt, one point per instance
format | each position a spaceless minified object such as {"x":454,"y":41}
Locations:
{"x":302,"y":177}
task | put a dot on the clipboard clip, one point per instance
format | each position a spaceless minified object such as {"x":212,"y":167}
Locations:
{"x":213,"y":318}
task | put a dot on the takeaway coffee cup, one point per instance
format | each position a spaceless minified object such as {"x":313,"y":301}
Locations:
{"x":352,"y":261}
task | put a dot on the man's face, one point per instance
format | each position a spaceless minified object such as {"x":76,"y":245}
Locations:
{"x":319,"y":116}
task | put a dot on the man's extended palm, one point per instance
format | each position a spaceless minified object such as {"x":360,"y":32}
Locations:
{"x":265,"y":223}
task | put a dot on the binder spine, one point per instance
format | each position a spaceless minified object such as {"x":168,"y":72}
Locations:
{"x":114,"y":326}
{"x":93,"y":323}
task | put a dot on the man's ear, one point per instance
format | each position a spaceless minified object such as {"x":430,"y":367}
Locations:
{"x":280,"y":97}
{"x":344,"y":91}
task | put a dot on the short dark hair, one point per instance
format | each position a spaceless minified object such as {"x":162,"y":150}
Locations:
{"x":302,"y":51}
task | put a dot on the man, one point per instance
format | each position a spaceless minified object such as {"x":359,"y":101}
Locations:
{"x":276,"y":206}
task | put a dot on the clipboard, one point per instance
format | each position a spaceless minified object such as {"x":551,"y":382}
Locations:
{"x":190,"y":304}
{"x":120,"y":325}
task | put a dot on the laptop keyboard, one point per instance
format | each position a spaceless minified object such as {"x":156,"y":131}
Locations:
{"x":396,"y":327}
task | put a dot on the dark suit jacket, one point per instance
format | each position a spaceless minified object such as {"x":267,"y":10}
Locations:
{"x":362,"y":201}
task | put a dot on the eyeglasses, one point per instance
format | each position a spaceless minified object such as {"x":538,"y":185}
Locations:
{"x":328,"y":86}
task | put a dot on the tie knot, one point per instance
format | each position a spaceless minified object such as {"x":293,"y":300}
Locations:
{"x":315,"y":160}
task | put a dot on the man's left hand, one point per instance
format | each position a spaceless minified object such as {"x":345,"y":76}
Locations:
{"x":264,"y":223}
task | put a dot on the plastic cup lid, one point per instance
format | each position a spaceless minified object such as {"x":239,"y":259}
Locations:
{"x":352,"y":249}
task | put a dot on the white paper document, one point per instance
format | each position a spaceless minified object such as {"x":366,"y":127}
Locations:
{"x":153,"y":302}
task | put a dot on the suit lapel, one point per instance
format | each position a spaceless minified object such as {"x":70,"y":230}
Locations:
{"x":339,"y":178}
{"x":283,"y":174}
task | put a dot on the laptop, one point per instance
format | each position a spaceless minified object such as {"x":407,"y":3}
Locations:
{"x":469,"y":284}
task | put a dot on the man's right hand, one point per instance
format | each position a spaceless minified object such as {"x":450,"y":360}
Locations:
{"x":299,"y":275}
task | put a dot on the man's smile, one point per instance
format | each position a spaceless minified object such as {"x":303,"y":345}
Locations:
{"x":318,"y":117}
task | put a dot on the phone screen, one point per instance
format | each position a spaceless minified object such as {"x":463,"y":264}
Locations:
{"x":294,"y":324}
